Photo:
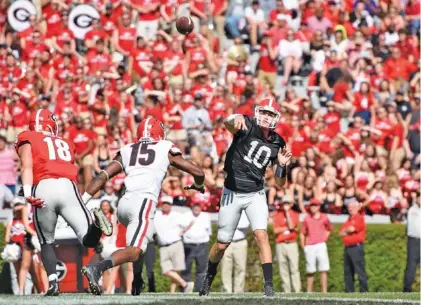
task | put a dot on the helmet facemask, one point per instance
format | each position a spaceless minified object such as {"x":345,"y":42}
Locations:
{"x":273,"y":120}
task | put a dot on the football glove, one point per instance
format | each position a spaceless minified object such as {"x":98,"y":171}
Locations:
{"x":35,"y":202}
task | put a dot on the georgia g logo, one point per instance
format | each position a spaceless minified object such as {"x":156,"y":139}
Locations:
{"x":18,"y":14}
{"x":61,"y":270}
{"x":80,"y":19}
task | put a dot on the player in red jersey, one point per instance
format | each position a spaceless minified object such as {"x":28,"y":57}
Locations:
{"x":48,"y":178}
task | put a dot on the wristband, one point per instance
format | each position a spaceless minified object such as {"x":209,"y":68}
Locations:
{"x":281,"y":171}
{"x":27,"y":190}
{"x":86,"y":197}
{"x":106,"y":174}
{"x":199,"y":186}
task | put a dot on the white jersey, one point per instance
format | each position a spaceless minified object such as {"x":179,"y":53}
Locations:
{"x":146,"y":164}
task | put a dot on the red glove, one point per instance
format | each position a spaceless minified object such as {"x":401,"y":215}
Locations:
{"x":35,"y":202}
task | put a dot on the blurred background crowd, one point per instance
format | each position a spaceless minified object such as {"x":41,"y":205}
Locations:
{"x":346,"y":74}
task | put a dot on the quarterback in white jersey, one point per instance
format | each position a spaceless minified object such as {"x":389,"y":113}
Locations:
{"x":145,"y":163}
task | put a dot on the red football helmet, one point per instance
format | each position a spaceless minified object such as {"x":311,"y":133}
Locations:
{"x":267,"y":105}
{"x":151,"y":128}
{"x":43,"y":121}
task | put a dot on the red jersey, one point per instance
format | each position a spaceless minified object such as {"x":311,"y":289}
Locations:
{"x":52,"y":157}
{"x":358,"y":222}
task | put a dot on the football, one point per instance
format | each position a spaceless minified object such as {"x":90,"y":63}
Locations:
{"x":184,"y":25}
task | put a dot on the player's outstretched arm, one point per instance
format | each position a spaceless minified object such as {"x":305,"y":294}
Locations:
{"x":235,"y":122}
{"x":25,"y":154}
{"x":284,"y":157}
{"x":112,"y":169}
{"x":199,"y":176}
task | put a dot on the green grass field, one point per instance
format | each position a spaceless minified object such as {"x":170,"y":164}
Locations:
{"x":219,"y":299}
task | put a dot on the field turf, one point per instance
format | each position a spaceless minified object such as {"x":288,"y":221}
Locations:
{"x":218,"y":299}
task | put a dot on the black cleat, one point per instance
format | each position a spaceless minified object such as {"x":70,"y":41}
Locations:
{"x":93,"y":275}
{"x":53,"y":289}
{"x":206,"y":285}
{"x":138,"y":284}
{"x":269,"y":292}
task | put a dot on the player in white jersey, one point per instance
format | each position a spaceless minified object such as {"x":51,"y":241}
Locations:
{"x":145,"y":163}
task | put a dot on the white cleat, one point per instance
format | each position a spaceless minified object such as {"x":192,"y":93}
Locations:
{"x":189,"y":287}
{"x":102,"y":222}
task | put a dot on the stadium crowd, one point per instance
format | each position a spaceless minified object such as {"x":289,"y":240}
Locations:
{"x":346,"y":74}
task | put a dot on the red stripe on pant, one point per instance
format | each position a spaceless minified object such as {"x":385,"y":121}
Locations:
{"x":145,"y":229}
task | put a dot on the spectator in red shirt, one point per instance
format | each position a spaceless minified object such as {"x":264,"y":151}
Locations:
{"x":124,"y":36}
{"x":99,"y":60}
{"x":267,"y":62}
{"x":20,"y":117}
{"x":413,"y":16}
{"x":315,"y":232}
{"x":363,"y":101}
{"x":353,"y":237}
{"x":397,"y":68}
{"x":148,"y":14}
{"x":384,"y":130}
{"x":64,"y":35}
{"x":34,"y":48}
{"x":285,"y":227}
{"x":97,"y":32}
{"x":83,"y":139}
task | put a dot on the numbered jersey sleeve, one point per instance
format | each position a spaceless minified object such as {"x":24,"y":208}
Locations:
{"x":146,"y":164}
{"x":52,"y":157}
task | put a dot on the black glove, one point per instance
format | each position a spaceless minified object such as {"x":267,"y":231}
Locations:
{"x":197,"y":188}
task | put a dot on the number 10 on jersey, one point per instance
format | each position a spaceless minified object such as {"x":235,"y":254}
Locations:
{"x":255,"y":160}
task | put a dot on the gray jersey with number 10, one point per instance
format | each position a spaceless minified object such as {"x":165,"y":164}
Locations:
{"x":248,"y":157}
